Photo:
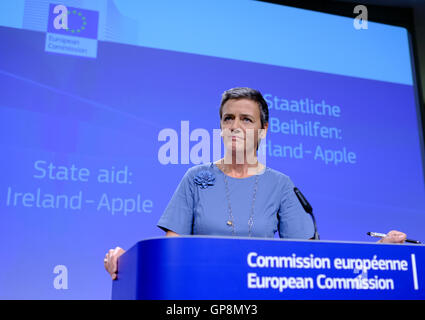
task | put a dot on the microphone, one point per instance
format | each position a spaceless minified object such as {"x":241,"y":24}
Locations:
{"x":307,"y":207}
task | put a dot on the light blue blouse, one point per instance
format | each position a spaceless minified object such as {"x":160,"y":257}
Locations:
{"x":199,"y":205}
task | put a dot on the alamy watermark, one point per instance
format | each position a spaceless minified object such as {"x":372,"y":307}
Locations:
{"x":360,"y":21}
{"x":177,"y":148}
{"x":60,"y":282}
{"x":61,"y":20}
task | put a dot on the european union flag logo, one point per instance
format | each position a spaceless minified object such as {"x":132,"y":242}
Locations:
{"x":73,"y":21}
{"x":72,"y":31}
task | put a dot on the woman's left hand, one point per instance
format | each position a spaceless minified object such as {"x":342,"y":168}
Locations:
{"x":393,"y":236}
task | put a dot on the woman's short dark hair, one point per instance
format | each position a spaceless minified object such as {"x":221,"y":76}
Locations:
{"x":247,"y":93}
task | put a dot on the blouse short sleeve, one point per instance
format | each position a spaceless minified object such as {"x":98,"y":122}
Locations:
{"x":178,"y":215}
{"x":294,"y":221}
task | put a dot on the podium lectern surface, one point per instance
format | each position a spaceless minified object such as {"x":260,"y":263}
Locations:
{"x":220,"y":268}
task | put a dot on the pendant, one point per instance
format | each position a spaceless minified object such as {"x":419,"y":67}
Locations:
{"x":229,"y":223}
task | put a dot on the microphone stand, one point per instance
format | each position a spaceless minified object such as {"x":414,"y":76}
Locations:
{"x":308,"y":208}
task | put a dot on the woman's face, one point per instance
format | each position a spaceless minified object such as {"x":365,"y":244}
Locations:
{"x":240,"y":125}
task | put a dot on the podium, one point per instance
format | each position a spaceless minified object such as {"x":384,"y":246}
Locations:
{"x":222,"y":268}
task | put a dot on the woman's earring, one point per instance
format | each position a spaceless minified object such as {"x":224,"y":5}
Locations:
{"x":262,"y":134}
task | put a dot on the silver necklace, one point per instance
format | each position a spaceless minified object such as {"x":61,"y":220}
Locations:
{"x":230,"y":222}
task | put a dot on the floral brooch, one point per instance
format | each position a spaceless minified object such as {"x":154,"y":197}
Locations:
{"x":204,"y":179}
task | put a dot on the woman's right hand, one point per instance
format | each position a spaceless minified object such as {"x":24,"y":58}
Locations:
{"x":111,"y":261}
{"x":394,"y":236}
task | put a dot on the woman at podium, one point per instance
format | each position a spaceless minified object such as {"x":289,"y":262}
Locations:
{"x":237,"y":195}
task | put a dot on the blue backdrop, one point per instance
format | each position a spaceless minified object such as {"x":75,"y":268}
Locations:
{"x":82,"y":112}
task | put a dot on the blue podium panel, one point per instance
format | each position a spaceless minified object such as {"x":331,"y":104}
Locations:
{"x":221,"y":268}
